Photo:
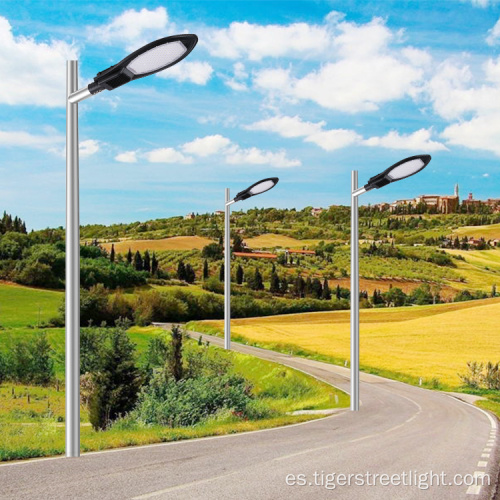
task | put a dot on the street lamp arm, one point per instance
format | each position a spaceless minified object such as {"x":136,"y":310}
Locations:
{"x":230,"y":202}
{"x":79,"y":95}
{"x":359,"y":191}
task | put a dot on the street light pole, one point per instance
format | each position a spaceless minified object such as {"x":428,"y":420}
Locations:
{"x":227,"y":271}
{"x":72,"y":346}
{"x":354,"y":294}
{"x":153,"y":57}
{"x":255,"y":189}
{"x":400,"y":170}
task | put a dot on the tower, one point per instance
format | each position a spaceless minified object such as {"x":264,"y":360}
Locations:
{"x":456,"y":190}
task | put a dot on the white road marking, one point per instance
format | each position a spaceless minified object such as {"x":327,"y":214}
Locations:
{"x":487,"y":450}
{"x":475,"y":489}
{"x":485,"y":455}
{"x":482,"y":463}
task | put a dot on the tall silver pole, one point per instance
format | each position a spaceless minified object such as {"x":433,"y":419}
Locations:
{"x":72,"y":376}
{"x":227,"y":272}
{"x":354,"y":294}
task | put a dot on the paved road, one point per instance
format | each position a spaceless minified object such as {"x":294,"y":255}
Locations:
{"x":399,"y":429}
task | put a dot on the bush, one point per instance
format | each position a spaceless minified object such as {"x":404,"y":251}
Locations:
{"x":189,"y":401}
{"x":214,"y":285}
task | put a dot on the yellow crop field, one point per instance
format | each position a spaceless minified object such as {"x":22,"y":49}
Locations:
{"x":278,"y":240}
{"x":421,"y":341}
{"x":489,"y":231}
{"x":174,"y":243}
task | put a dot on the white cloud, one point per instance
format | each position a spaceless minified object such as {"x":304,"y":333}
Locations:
{"x":481,"y":132}
{"x":294,"y":126}
{"x":132,"y":28}
{"x":206,"y":146}
{"x":127,"y":157}
{"x":419,"y":140}
{"x":367,"y":72}
{"x":255,"y":41}
{"x":33,"y":73}
{"x":166,"y":155}
{"x":287,"y":126}
{"x":330,"y":140}
{"x":89,"y":148}
{"x":216,"y":146}
{"x":485,"y":175}
{"x":493,"y":34}
{"x":19,"y":138}
{"x":196,"y":72}
{"x":256,"y":156}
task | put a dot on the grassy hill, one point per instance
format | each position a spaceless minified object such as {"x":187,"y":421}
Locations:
{"x":432,"y":342}
{"x":490,"y":231}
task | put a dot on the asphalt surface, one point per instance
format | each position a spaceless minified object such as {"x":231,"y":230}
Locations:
{"x":400,"y":430}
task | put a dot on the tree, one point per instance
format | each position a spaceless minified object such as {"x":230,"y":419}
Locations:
{"x":221,"y":272}
{"x":275,"y":283}
{"x":112,"y":253}
{"x":181,"y":271}
{"x":299,"y":287}
{"x":238,"y":244}
{"x":493,"y":290}
{"x":308,"y":287}
{"x":316,"y":288}
{"x":138,"y":265}
{"x":117,"y":382}
{"x":129,"y":256}
{"x":326,"y":294}
{"x":190,"y":274}
{"x":206,"y":272}
{"x":154,"y":265}
{"x":212,"y":251}
{"x":146,"y":266}
{"x":256,"y":282}
{"x":284,"y":286}
{"x":42,"y":364}
{"x":337,"y":292}
{"x":239,"y":275}
{"x":174,"y":357}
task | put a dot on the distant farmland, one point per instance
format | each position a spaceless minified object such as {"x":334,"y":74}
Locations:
{"x":271,"y":240}
{"x":174,"y":243}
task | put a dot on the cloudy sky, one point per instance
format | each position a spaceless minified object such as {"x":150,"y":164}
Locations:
{"x":306,"y":91}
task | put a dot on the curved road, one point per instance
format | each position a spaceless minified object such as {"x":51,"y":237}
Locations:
{"x":400,"y":429}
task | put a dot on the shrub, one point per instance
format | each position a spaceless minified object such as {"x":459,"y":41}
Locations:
{"x":214,"y":285}
{"x":189,"y":401}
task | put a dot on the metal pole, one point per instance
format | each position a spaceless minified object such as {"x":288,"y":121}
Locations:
{"x":227,"y":272}
{"x":354,"y":294}
{"x":72,"y":373}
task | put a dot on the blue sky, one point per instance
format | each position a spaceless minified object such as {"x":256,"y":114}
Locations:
{"x":305,"y":91}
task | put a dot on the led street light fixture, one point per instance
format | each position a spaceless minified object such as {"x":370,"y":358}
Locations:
{"x":153,"y":57}
{"x":400,"y":170}
{"x":257,"y":188}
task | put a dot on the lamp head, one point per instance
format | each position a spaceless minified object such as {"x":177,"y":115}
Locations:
{"x":257,"y":188}
{"x":400,"y":170}
{"x":153,"y":57}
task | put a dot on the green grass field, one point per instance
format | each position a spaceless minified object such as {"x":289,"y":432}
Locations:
{"x":23,"y":306}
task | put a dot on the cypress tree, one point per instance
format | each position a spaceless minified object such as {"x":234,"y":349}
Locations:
{"x":284,"y":285}
{"x":206,"y":273}
{"x":258,"y":283}
{"x":221,"y":272}
{"x":147,"y":262}
{"x":129,"y":256}
{"x":190,"y":274}
{"x":154,"y":265}
{"x":138,"y":265}
{"x":326,"y":294}
{"x":275,"y":283}
{"x":112,"y":253}
{"x":181,"y":271}
{"x":316,"y":288}
{"x":239,"y":275}
{"x":337,"y":292}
